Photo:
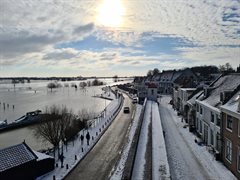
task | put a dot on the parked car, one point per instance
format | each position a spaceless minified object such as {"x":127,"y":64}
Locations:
{"x":126,"y":110}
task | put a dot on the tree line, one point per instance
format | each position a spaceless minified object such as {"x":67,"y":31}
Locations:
{"x":204,"y":70}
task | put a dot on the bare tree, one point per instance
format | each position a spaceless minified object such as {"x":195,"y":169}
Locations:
{"x":57,"y":124}
{"x":226,"y":67}
{"x":50,"y":129}
{"x":82,"y":85}
{"x":115,"y":78}
{"x":155,"y":71}
{"x":149,"y":73}
{"x":51,"y":85}
{"x":84,"y":116}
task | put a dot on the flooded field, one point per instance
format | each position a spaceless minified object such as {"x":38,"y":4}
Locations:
{"x":16,"y":100}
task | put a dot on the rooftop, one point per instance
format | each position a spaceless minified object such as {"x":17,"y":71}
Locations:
{"x":15,"y":155}
{"x":225,"y":83}
{"x":232,"y":104}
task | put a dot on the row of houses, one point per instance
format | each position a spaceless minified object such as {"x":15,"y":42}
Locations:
{"x":214,"y":113}
{"x":211,"y":109}
{"x":164,"y":83}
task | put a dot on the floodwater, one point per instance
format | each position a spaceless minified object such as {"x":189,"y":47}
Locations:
{"x":17,"y":100}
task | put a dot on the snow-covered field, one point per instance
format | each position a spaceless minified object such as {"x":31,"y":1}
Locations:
{"x":188,"y":160}
{"x":76,"y":150}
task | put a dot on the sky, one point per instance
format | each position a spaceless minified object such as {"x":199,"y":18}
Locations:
{"x":116,"y":37}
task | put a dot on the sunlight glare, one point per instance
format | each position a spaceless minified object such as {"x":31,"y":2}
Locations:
{"x":110,"y":13}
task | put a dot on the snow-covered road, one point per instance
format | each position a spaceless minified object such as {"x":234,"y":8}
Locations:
{"x":100,"y":161}
{"x":187,"y":160}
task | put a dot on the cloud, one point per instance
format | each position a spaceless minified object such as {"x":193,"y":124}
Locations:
{"x":12,"y":45}
{"x":81,"y":30}
{"x":61,"y":54}
{"x":202,"y":32}
{"x":211,"y":55}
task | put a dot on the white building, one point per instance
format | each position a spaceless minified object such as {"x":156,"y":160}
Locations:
{"x":208,"y":114}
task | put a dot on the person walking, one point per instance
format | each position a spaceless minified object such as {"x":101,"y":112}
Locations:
{"x":61,"y":157}
{"x":82,"y":138}
{"x":88,"y":138}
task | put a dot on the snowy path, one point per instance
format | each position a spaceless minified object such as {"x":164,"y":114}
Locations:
{"x":187,"y":160}
{"x":140,"y":164}
{"x":100,"y":161}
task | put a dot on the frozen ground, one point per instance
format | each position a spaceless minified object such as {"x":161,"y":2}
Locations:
{"x":187,"y":160}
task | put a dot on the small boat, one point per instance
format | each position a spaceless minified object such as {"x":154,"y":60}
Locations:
{"x":3,"y":123}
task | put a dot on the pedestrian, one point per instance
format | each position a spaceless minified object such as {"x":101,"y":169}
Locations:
{"x":82,"y":138}
{"x":88,"y":138}
{"x":61,"y":157}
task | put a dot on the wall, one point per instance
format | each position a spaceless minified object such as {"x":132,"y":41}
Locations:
{"x":232,"y":136}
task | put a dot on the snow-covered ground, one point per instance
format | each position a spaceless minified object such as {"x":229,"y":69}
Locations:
{"x":117,"y":175}
{"x":76,"y":150}
{"x":160,"y":167}
{"x":140,"y":160}
{"x":188,"y":160}
{"x":108,"y":94}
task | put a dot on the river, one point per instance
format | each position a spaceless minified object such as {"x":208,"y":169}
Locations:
{"x":23,"y":98}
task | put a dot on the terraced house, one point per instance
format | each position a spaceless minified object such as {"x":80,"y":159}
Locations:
{"x":231,"y":133}
{"x":208,"y":112}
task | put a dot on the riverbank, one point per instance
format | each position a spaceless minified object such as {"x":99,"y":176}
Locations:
{"x":78,"y":150}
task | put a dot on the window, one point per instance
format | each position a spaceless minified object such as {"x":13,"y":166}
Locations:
{"x":201,"y":110}
{"x":218,"y":120}
{"x":197,"y":123}
{"x":200,"y":128}
{"x":197,"y":108}
{"x":229,"y":122}
{"x":212,"y":117}
{"x":211,"y":136}
{"x":228,"y":150}
{"x":238,"y":159}
{"x":152,"y":92}
{"x":218,"y":144}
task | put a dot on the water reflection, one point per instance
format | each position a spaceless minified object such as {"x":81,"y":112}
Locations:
{"x":32,"y":96}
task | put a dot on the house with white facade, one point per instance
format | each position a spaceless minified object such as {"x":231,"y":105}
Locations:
{"x":193,"y":125}
{"x":181,"y":97}
{"x":208,"y":113}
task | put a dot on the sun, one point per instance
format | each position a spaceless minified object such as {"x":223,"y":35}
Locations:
{"x":110,"y":13}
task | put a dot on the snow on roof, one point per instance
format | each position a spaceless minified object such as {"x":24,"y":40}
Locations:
{"x":176,"y":75}
{"x":41,"y":156}
{"x":188,"y":89}
{"x":15,"y":155}
{"x":232,"y":104}
{"x":193,"y":99}
{"x":225,"y":83}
